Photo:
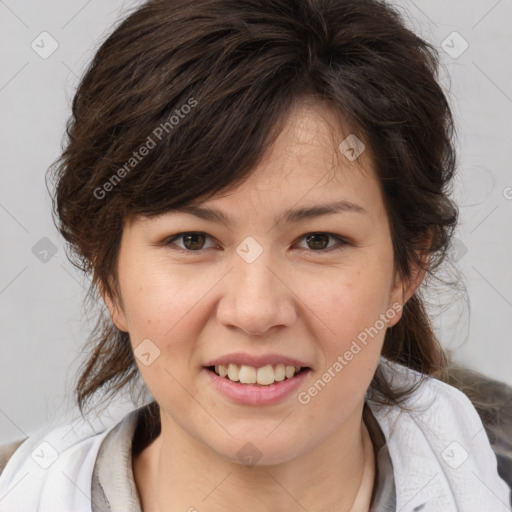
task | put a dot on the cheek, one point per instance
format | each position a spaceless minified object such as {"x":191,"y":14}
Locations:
{"x":349,"y":302}
{"x":350,"y":337}
{"x":353,"y":307}
{"x":163,"y":308}
{"x":170,"y":308}
{"x":158,"y":299}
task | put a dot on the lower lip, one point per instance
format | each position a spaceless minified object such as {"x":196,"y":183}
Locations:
{"x":256,"y":395}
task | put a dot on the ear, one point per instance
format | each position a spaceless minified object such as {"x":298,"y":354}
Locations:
{"x":115,"y":309}
{"x":404,"y":288}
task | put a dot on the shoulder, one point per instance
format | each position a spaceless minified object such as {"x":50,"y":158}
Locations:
{"x":457,"y":383}
{"x":437,"y":428}
{"x":467,"y":397}
{"x":41,"y":457}
{"x":7,"y":450}
{"x":492,"y":400}
{"x":477,"y":407}
{"x":423,"y":391}
{"x":433,"y":410}
{"x":81,"y":434}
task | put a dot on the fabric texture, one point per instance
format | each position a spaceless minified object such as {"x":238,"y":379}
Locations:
{"x":435,"y":457}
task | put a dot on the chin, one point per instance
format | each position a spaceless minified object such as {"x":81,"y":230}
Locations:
{"x":258,"y":451}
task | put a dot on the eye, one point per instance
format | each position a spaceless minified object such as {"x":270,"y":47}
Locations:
{"x":193,"y":240}
{"x":317,"y":241}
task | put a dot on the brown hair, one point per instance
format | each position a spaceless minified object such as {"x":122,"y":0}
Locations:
{"x":213,"y":81}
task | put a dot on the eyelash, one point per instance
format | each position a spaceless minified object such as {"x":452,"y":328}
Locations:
{"x":169,"y":242}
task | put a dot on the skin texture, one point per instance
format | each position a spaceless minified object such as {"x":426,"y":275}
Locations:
{"x":294,"y":299}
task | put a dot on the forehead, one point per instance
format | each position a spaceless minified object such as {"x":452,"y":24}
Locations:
{"x":307,"y":164}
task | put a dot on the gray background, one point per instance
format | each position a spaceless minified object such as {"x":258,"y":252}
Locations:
{"x":42,"y":322}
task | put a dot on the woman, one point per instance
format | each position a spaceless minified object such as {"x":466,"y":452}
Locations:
{"x":258,"y":190}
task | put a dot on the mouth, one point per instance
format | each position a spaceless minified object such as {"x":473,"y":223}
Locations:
{"x":257,"y":376}
{"x":256,"y":386}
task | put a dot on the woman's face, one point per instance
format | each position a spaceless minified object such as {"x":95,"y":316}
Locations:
{"x":259,"y":288}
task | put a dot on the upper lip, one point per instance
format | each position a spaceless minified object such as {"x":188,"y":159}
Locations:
{"x":240,"y":358}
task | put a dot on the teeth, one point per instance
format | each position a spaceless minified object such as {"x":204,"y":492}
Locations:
{"x":264,"y":375}
{"x":233,"y":372}
{"x":279,"y":372}
{"x":247,"y":375}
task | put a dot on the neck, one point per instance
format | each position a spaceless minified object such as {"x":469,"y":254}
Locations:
{"x":336,"y":475}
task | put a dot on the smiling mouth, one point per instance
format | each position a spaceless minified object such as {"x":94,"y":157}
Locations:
{"x":262,"y":376}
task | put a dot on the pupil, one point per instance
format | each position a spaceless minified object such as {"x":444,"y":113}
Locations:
{"x":190,"y":236}
{"x":312,"y":236}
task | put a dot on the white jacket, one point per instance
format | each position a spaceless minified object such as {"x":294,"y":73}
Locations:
{"x":441,"y":456}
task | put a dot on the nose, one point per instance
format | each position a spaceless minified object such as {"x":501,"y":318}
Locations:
{"x":257,"y":297}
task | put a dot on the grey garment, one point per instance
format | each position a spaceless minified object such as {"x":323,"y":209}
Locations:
{"x":384,"y":491}
{"x":113,"y":485}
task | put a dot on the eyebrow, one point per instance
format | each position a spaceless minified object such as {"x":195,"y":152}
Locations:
{"x":288,"y":216}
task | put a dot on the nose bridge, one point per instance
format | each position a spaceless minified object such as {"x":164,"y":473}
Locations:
{"x":257,"y":299}
{"x":252,"y":269}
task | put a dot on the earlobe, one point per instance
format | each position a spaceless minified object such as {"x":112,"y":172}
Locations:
{"x":404,"y":289}
{"x":116,"y":313}
{"x":397,"y":301}
{"x":413,"y":283}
